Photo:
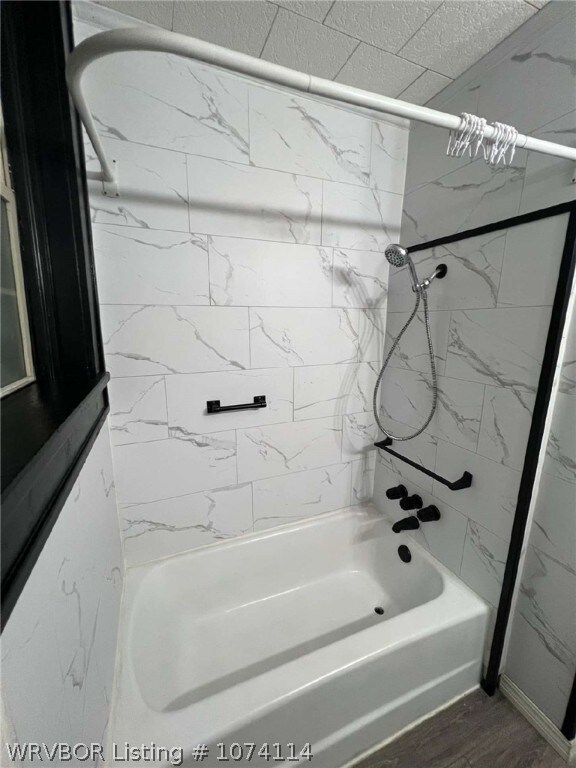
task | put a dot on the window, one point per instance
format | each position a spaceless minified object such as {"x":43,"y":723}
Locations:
{"x":50,"y":413}
{"x":16,"y":368}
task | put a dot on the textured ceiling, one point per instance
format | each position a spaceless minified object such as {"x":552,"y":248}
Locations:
{"x":407,"y":48}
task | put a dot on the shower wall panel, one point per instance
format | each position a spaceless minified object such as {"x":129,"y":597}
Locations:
{"x":59,"y":646}
{"x":542,"y":655}
{"x":489,"y":336}
{"x":243,"y":257}
{"x":489,"y":323}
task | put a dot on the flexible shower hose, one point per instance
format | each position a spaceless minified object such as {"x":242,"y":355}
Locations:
{"x":420,"y":296}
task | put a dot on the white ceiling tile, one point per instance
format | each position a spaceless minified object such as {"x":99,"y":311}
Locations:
{"x":547,"y":63}
{"x":460,"y":33}
{"x":158,"y":12}
{"x":537,"y":3}
{"x":378,"y":71}
{"x":427,"y":85}
{"x":312,"y":9}
{"x":306,"y":45}
{"x":387,"y":24}
{"x":242,"y":26}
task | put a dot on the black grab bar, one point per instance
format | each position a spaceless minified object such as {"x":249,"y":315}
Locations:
{"x":457,"y":485}
{"x":213,"y":406}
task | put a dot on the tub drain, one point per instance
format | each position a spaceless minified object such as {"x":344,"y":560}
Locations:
{"x":379,"y":610}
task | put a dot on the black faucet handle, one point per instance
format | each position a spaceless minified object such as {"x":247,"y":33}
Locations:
{"x":429,"y":514}
{"x":406,"y":524}
{"x":411,"y":502}
{"x":398,"y":492}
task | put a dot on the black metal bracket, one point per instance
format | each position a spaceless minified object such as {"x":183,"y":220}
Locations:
{"x":464,"y":482}
{"x":213,"y":406}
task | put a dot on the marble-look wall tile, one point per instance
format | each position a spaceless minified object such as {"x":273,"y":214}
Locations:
{"x":170,"y":102}
{"x":503,"y":347}
{"x":188,"y":394}
{"x":459,"y":410}
{"x":32,"y":686}
{"x":269,"y":183}
{"x":506,"y":421}
{"x":531,"y":263}
{"x":265,"y":274}
{"x":280,"y":337}
{"x":483,"y":562}
{"x":561,"y":447}
{"x":362,"y":218}
{"x":300,"y":135}
{"x":545,"y":64}
{"x":371,"y":334}
{"x":542,"y":646}
{"x":384,"y":478}
{"x":474,"y":267}
{"x":166,"y":469}
{"x":245,"y":201}
{"x":154,"y":189}
{"x":332,"y":390}
{"x":280,"y":500}
{"x":388,"y":156}
{"x":360,"y":279}
{"x":145,"y":340}
{"x":463,"y":199}
{"x":533,"y":664}
{"x":170,"y":526}
{"x":553,"y":528}
{"x":136,"y":266}
{"x":358,"y":436}
{"x":491,"y":500}
{"x":138,"y":409}
{"x":58,"y":646}
{"x":412,"y":349}
{"x":427,"y":145}
{"x":408,"y":396}
{"x":363,"y":473}
{"x":421,"y":449}
{"x":286,"y":448}
{"x":550,"y":178}
{"x":443,"y":538}
{"x":500,"y":351}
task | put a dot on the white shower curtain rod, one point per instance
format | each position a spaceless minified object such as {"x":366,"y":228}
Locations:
{"x":163,"y":41}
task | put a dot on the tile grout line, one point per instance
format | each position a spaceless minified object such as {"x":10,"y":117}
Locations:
{"x":327,"y":13}
{"x":269,"y":31}
{"x":348,"y":59}
{"x":360,"y":41}
{"x":252,"y":166}
{"x":426,"y":20}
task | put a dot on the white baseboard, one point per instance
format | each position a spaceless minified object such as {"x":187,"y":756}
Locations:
{"x":545,"y":727}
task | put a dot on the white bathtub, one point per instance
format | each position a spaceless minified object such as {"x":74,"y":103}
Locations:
{"x":274,"y":638}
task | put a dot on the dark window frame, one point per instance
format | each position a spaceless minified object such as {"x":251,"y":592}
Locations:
{"x":47,"y":427}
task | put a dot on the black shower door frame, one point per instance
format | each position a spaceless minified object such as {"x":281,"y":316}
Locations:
{"x":536,"y":437}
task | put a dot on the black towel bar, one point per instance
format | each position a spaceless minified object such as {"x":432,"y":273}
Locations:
{"x":464,"y":482}
{"x":213,"y":406}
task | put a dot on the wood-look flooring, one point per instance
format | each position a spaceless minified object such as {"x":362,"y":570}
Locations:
{"x":476,"y":732}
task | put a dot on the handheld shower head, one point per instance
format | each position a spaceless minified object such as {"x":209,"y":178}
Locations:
{"x":399,"y":257}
